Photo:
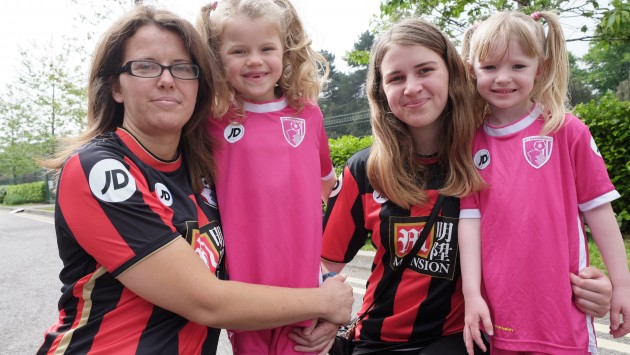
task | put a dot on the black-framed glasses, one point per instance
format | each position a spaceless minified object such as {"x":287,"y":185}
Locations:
{"x":148,"y":69}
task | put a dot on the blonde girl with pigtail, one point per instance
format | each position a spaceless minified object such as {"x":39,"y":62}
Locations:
{"x":272,"y":155}
{"x":522,"y":239}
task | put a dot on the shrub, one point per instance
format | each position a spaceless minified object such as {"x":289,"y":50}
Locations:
{"x":3,"y":192}
{"x":609,"y":120}
{"x":343,"y":147}
{"x":25,"y":193}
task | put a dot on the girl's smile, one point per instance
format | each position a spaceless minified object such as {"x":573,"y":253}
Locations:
{"x":505,"y":81}
{"x":252,"y":52}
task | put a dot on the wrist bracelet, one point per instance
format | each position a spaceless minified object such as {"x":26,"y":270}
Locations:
{"x":327,"y":275}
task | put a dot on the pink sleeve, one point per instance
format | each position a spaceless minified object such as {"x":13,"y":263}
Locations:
{"x":468,"y":206}
{"x":327,"y":169}
{"x":594,"y":187}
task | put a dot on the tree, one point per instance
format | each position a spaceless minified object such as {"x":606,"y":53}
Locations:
{"x":16,"y":153}
{"x":48,"y":98}
{"x":455,"y":16}
{"x":53,"y":88}
{"x":623,"y":90}
{"x":93,"y":17}
{"x":614,"y":26}
{"x":580,"y":90}
{"x":45,"y":102}
{"x":608,"y":60}
{"x":607,"y":65}
{"x":331,"y":88}
{"x":345,"y":101}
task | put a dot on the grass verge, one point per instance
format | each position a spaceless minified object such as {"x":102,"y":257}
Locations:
{"x":596,"y":258}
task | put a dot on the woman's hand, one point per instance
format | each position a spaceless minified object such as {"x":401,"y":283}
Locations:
{"x":339,"y":298}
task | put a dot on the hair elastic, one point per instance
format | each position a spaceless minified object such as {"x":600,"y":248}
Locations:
{"x":536,"y":16}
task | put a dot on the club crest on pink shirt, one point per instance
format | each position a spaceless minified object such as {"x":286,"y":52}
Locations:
{"x":294,"y":130}
{"x":537,"y":150}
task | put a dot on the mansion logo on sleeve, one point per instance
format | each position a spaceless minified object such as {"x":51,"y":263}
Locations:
{"x":207,"y":241}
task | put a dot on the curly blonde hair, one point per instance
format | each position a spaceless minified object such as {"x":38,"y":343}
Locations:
{"x":304,"y":69}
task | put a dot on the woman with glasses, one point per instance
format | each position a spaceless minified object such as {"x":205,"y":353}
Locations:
{"x":136,"y":219}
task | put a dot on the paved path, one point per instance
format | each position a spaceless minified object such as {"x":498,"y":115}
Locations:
{"x":29,"y":269}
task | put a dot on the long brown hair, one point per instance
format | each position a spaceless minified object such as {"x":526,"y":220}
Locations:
{"x":392,"y":167}
{"x":106,"y":115}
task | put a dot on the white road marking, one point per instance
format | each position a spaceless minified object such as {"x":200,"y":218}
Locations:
{"x":37,"y":217}
{"x":359,"y":290}
{"x":613,"y":345}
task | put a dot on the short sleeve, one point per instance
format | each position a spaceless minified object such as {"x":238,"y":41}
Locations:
{"x":344,"y":221}
{"x":594,"y":187}
{"x":106,"y":206}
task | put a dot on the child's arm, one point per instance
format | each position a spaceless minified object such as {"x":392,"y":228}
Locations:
{"x":327,"y":187}
{"x":601,"y":220}
{"x":476,"y":308}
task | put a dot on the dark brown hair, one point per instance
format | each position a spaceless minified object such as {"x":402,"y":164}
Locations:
{"x":106,"y":115}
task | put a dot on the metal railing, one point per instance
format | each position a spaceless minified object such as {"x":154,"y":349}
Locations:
{"x":356,"y":124}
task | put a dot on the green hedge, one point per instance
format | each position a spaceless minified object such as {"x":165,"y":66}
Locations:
{"x":3,"y":192}
{"x":25,"y":193}
{"x":609,"y":122}
{"x":343,"y":147}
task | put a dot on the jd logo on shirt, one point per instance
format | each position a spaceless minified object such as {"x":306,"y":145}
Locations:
{"x":163,"y":194}
{"x":482,"y":159}
{"x":110,"y":181}
{"x":234,"y":132}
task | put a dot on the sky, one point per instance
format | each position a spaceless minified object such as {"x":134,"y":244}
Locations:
{"x":333,"y":25}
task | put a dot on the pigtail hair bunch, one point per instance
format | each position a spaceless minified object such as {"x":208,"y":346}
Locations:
{"x":551,"y":89}
{"x":203,"y":21}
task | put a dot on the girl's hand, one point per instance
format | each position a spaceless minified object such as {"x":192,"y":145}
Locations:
{"x":591,"y":291}
{"x":476,"y":312}
{"x":620,"y":307}
{"x":318,"y":337}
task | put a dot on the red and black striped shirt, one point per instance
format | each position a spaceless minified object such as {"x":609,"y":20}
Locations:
{"x":117,"y":204}
{"x":426,"y":303}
